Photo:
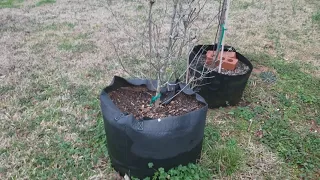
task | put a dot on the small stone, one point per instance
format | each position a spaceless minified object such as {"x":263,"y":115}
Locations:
{"x":126,"y":177}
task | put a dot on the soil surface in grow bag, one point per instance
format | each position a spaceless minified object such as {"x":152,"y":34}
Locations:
{"x":136,"y":101}
{"x":240,"y":69}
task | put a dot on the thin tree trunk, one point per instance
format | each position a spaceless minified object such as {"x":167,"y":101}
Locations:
{"x":221,"y":22}
{"x":163,"y":69}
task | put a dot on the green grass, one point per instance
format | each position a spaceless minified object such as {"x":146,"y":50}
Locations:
{"x":223,"y":156}
{"x":43,"y":2}
{"x":77,"y":44}
{"x":59,"y":26}
{"x":316,"y":17}
{"x":301,"y":151}
{"x":297,"y":146}
{"x":10,"y":3}
{"x":285,"y":119}
{"x":189,"y":172}
{"x":64,"y":160}
{"x":73,"y":152}
{"x":6,"y":89}
{"x":76,"y":47}
{"x":52,"y":128}
{"x":244,"y":5}
{"x":55,"y":113}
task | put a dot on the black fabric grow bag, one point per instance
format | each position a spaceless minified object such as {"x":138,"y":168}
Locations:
{"x":132,"y":143}
{"x":221,"y":90}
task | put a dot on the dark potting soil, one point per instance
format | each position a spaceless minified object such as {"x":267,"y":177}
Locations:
{"x":136,"y":100}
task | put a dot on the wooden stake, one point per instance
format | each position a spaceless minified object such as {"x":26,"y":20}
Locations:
{"x":226,"y":7}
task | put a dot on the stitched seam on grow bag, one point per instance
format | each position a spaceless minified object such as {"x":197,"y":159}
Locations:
{"x":126,"y":167}
{"x":119,"y":117}
{"x":165,"y":132}
{"x":126,"y":154}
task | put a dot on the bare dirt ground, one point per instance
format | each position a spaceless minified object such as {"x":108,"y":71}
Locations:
{"x":55,"y":58}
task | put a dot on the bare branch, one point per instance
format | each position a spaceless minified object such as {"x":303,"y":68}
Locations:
{"x":165,"y":40}
{"x":120,"y":61}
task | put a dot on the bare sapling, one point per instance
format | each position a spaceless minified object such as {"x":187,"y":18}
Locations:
{"x":161,"y":40}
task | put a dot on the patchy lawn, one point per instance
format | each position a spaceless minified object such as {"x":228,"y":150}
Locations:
{"x":55,"y":60}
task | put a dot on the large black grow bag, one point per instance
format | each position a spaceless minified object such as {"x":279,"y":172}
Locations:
{"x":167,"y":143}
{"x":220,"y":90}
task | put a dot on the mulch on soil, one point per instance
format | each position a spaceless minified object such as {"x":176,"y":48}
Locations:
{"x":136,"y":100}
{"x":241,"y":68}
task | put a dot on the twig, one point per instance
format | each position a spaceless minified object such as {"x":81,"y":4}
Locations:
{"x":150,"y":31}
{"x":161,"y":49}
{"x":120,"y":60}
{"x":121,"y":26}
{"x":175,"y":94}
{"x":250,"y":125}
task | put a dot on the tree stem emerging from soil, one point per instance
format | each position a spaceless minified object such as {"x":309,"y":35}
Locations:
{"x":157,"y":102}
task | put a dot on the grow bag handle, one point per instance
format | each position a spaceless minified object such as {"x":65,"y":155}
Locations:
{"x":211,"y":85}
{"x":138,"y":125}
{"x":120,"y":116}
{"x":212,"y":88}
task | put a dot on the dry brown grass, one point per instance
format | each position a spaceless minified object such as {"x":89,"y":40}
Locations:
{"x":278,"y":27}
{"x":50,"y":52}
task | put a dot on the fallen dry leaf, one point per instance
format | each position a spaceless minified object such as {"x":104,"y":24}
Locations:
{"x":259,"y":133}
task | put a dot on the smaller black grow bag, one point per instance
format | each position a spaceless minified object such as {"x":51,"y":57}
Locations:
{"x":220,"y":90}
{"x":167,"y":142}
